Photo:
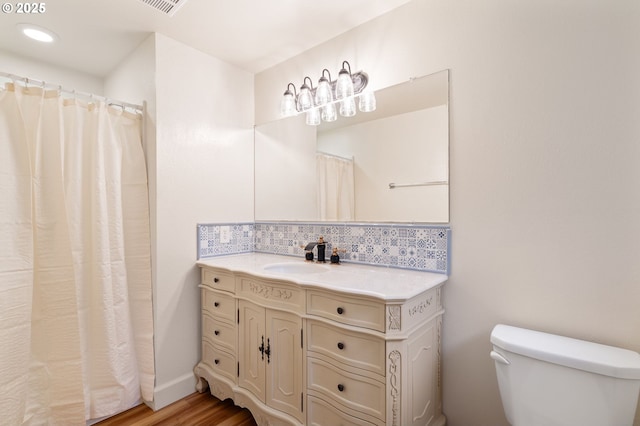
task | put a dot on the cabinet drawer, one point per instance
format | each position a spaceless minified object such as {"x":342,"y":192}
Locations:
{"x":219,"y":280}
{"x":321,"y":413}
{"x":220,"y":361}
{"x":360,"y":393}
{"x":356,"y":349}
{"x":348,"y":310}
{"x":219,"y":305}
{"x":220,"y":333}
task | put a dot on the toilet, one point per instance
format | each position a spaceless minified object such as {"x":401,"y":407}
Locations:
{"x":550,"y":380}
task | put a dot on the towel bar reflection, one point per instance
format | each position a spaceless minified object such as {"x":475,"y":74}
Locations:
{"x":402,"y":185}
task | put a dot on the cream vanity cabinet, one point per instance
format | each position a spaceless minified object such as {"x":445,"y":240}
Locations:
{"x":296,"y":352}
{"x":270,"y":354}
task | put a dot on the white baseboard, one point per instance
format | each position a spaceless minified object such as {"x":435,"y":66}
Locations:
{"x":172,"y":391}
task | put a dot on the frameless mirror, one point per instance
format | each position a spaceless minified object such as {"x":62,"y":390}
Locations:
{"x":389,"y":165}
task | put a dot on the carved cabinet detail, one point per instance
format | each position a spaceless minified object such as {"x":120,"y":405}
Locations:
{"x":297,"y":354}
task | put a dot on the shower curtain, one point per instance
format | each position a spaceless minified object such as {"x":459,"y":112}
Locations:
{"x":76,"y":327}
{"x":336,"y":198}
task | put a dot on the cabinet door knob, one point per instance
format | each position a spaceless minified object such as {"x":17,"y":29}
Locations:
{"x":216,"y":304}
{"x":340,"y":345}
{"x":341,"y":387}
{"x":216,"y":361}
{"x":340,"y":311}
{"x":217,"y":332}
{"x":215,"y":280}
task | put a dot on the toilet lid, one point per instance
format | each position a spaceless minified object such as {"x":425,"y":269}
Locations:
{"x":569,"y":352}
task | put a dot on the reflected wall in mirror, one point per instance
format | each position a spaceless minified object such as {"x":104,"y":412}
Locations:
{"x":342,"y":171}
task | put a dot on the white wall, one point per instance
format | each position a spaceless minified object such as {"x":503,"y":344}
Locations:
{"x":67,"y":78}
{"x":545,"y":167}
{"x":204,"y":173}
{"x":134,"y":79}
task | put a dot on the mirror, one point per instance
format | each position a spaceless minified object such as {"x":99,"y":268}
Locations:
{"x":389,"y":165}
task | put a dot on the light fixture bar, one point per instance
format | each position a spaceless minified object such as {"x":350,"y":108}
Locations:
{"x":322,"y":102}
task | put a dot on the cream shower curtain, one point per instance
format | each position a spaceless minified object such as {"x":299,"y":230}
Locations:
{"x":336,"y":198}
{"x":76,"y":328}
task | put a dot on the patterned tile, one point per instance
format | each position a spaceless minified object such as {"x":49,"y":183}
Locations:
{"x":420,"y":247}
{"x":241,"y":239}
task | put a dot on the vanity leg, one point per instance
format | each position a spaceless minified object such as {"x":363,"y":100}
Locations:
{"x":201,"y":384}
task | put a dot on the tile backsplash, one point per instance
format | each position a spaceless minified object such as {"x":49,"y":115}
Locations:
{"x":408,"y":246}
{"x":218,"y":239}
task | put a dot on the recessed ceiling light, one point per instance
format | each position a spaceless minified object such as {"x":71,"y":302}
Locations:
{"x":37,"y":33}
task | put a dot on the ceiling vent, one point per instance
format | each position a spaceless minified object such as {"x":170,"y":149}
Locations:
{"x":168,"y":7}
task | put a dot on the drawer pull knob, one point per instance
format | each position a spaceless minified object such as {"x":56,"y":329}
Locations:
{"x":341,"y":387}
{"x":340,"y":345}
{"x":216,"y":304}
{"x":215,"y":280}
{"x":216,"y":361}
{"x":217,"y":332}
{"x":340,"y":311}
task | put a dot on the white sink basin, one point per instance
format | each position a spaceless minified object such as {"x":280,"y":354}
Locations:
{"x":297,"y":268}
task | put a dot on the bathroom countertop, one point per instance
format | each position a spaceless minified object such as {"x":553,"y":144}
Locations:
{"x":388,"y":284}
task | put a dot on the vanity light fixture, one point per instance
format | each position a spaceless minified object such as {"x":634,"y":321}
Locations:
{"x":305,"y":97}
{"x":322,"y":103}
{"x":288,"y":104}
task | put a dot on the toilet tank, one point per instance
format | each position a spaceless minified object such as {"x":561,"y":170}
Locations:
{"x":550,"y":380}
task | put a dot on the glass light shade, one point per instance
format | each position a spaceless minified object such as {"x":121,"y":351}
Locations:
{"x":313,"y":117}
{"x":329,"y":113}
{"x":323,"y":92}
{"x":288,"y":104}
{"x":344,"y":85}
{"x":348,"y":107}
{"x":305,"y":101}
{"x":367,"y":101}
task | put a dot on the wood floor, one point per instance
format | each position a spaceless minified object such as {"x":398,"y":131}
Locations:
{"x":197,"y":409}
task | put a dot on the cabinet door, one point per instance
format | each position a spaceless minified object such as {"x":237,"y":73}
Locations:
{"x":284,"y":364}
{"x":422,"y":362}
{"x":253,"y":342}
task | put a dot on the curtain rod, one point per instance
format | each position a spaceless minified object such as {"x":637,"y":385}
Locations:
{"x":74,"y":93}
{"x":402,"y":185}
{"x":335,"y":156}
